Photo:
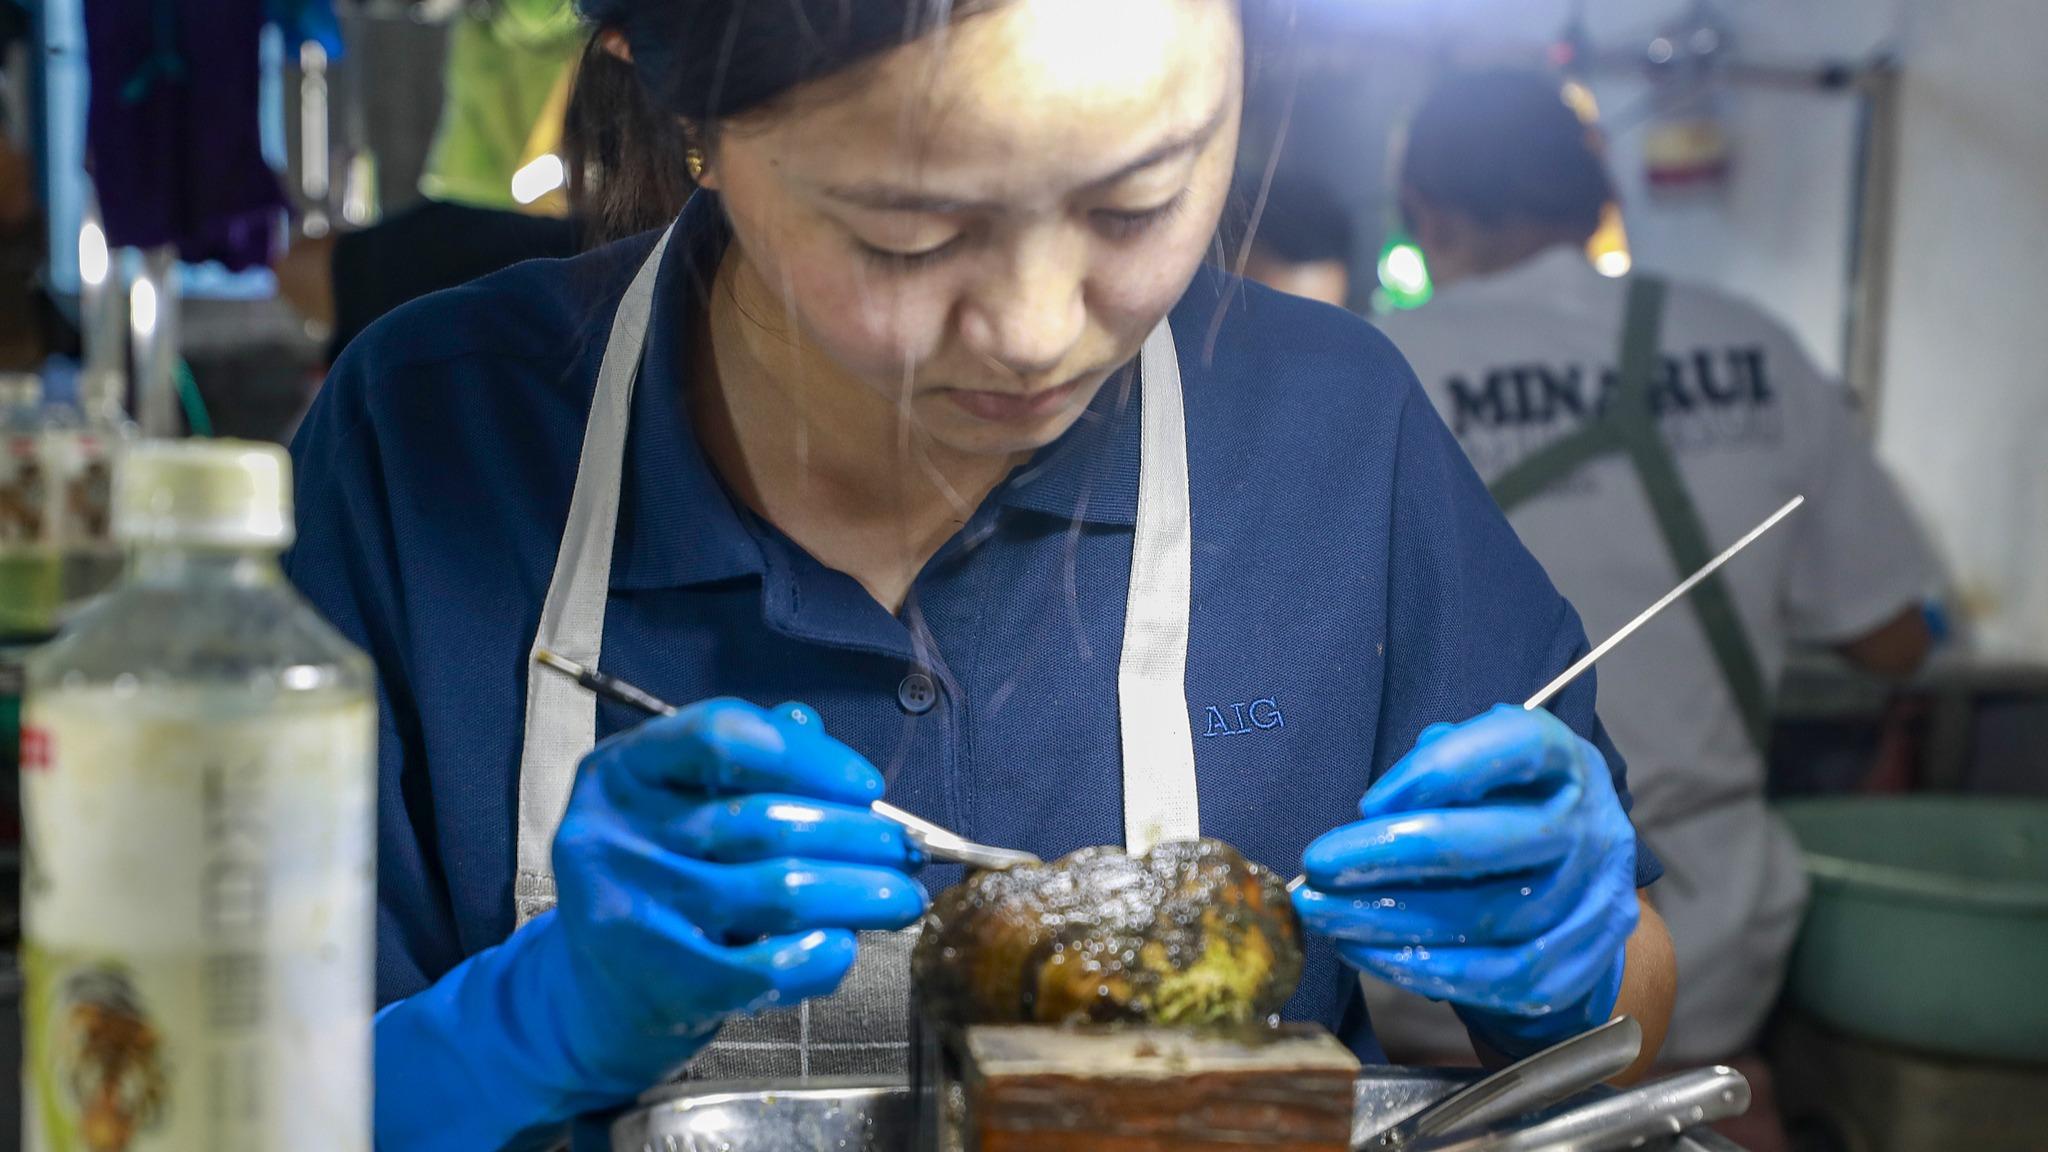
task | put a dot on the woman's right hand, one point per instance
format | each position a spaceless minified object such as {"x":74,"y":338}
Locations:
{"x":714,"y":862}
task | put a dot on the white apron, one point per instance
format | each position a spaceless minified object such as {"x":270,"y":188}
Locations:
{"x":864,"y":1028}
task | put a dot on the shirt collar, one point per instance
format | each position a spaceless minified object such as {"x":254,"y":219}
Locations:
{"x":1091,"y":473}
{"x":678,"y":525}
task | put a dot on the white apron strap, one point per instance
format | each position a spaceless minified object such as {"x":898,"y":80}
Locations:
{"x":1158,"y":743}
{"x":561,"y":717}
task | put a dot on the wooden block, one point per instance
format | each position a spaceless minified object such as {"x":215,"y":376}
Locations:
{"x":1033,"y":1088}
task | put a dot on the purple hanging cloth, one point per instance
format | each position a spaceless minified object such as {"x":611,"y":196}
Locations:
{"x":172,"y":135}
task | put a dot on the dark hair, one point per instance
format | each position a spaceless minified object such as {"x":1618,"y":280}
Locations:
{"x":709,"y":60}
{"x":1503,"y":147}
{"x":699,"y":62}
{"x":1303,"y":221}
{"x":624,"y":155}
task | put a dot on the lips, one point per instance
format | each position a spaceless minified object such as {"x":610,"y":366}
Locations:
{"x":1013,"y":407}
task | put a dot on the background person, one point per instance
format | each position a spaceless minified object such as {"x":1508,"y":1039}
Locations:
{"x":1521,"y":349}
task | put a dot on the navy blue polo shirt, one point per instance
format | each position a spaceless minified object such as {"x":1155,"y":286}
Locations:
{"x":1352,"y":584}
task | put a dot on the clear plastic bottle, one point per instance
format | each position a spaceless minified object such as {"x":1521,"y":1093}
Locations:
{"x":198,"y":769}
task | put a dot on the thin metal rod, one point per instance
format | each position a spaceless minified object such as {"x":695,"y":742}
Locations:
{"x":1648,"y":614}
{"x":933,"y":839}
{"x":604,"y":684}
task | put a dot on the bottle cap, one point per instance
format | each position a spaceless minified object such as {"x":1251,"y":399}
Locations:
{"x":206,"y":493}
{"x":20,"y":390}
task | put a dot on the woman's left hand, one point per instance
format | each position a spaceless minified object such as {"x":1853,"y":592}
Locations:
{"x":1494,"y":869}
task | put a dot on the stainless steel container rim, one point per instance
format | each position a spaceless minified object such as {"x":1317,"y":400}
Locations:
{"x":710,"y":1093}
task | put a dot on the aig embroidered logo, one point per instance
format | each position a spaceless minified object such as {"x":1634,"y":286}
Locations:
{"x":1242,"y":719}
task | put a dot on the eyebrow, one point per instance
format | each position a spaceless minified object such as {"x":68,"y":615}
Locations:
{"x":890,"y":198}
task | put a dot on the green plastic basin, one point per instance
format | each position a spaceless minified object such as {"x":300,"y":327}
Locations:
{"x":1929,"y":923}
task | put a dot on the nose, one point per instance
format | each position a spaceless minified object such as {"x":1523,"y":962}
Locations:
{"x":1027,"y":314}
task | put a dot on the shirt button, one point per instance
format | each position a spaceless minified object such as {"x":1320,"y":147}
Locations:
{"x":917,"y":694}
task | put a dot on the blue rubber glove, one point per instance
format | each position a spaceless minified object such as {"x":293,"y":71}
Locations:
{"x":710,"y":863}
{"x":1494,"y":869}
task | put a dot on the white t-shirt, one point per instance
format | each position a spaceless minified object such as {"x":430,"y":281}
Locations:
{"x":1516,"y":360}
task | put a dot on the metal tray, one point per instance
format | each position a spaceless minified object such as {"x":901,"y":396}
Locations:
{"x":866,"y":1115}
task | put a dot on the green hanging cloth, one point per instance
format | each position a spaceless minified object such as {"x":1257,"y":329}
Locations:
{"x":500,"y":75}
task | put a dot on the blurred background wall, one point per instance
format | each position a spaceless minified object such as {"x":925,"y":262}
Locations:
{"x":1966,"y":401}
{"x":1959,"y":390}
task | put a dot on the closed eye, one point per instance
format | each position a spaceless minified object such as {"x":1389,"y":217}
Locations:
{"x":1121,"y":225}
{"x":890,"y":260}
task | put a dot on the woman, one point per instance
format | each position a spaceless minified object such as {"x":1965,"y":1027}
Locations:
{"x":870,"y":426}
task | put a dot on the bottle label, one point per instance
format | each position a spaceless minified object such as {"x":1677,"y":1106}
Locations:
{"x":199,"y":944}
{"x":25,"y":491}
{"x":80,"y":466}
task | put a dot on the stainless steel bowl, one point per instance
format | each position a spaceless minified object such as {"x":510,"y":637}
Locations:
{"x":863,"y":1115}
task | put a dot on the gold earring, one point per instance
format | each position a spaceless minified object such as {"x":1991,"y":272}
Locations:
{"x":693,"y":163}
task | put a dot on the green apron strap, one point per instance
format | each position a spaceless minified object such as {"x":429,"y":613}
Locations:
{"x":1629,"y":425}
{"x":1678,"y":517}
{"x":1540,"y":470}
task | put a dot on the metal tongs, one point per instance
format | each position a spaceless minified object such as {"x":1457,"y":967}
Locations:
{"x":929,"y":838}
{"x":1477,"y":1118}
{"x":1557,"y":1073}
{"x":1660,"y":1110}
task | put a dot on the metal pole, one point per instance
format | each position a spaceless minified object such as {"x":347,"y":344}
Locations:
{"x":315,"y":150}
{"x":1875,"y":222}
{"x":361,"y":205}
{"x":153,"y":330}
{"x":102,"y":321}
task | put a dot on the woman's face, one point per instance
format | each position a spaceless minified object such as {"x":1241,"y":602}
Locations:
{"x":982,"y":226}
